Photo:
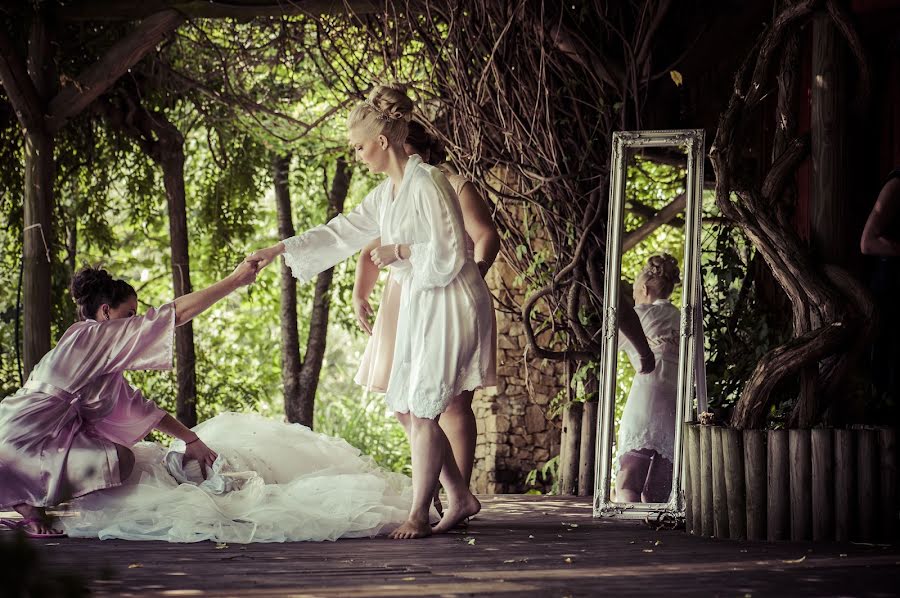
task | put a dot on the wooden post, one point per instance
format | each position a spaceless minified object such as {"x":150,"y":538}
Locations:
{"x":800,"y":484}
{"x":706,"y":482}
{"x":693,"y":443}
{"x":571,"y":439}
{"x":844,"y":466}
{"x":588,"y":448}
{"x":720,"y":498}
{"x":755,"y":479}
{"x":887,"y":504}
{"x":867,"y":483}
{"x":822,"y":449}
{"x":778,"y":487}
{"x":735,"y":489}
{"x":828,"y":215}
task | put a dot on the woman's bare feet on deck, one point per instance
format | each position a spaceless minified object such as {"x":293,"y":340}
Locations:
{"x":458,"y":511}
{"x":411,"y":529}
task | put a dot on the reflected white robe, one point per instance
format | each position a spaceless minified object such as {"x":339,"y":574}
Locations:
{"x":445,"y":324}
{"x":648,"y":420}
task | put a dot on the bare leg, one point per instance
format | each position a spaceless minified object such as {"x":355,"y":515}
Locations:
{"x":429,"y":445}
{"x":633,"y":467}
{"x":404,"y":419}
{"x":458,"y":423}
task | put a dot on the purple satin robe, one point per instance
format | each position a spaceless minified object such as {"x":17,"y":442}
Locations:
{"x":58,"y":433}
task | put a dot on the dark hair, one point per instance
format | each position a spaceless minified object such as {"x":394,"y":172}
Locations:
{"x":425,"y":144}
{"x":92,"y":287}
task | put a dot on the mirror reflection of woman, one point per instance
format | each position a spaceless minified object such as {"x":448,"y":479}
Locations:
{"x":646,"y":440}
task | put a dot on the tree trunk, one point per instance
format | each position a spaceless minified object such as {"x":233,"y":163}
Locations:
{"x":172,"y":163}
{"x":163,"y":143}
{"x":829,"y":158}
{"x":308,"y":381}
{"x":40,"y":175}
{"x":290,"y":341}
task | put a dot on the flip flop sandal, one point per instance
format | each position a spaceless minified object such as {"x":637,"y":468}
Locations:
{"x":22,"y":526}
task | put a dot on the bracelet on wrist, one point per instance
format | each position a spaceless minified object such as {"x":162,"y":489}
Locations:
{"x":397,"y":252}
{"x":196,"y":438}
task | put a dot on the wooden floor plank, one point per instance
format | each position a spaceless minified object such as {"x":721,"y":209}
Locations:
{"x":519,"y":545}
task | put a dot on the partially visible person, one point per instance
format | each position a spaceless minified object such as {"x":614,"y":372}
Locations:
{"x":881,"y":241}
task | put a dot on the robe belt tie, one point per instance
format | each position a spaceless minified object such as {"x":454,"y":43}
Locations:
{"x":67,"y":397}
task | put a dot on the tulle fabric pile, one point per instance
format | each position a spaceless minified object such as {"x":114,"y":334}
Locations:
{"x":273,"y":482}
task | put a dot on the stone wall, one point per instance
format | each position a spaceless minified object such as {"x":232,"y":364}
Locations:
{"x":515,"y":435}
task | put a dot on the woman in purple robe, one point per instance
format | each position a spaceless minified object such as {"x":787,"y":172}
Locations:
{"x":68,"y":431}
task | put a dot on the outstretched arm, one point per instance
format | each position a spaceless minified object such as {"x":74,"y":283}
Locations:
{"x":189,"y":306}
{"x":875,"y":240}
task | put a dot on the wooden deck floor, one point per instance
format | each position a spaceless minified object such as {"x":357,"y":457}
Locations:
{"x":518,"y":546}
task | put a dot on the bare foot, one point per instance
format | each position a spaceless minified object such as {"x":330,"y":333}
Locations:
{"x":40,"y":523}
{"x":457,"y":512}
{"x":411,"y":529}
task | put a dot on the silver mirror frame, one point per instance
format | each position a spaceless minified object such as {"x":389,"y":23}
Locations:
{"x":692,"y":142}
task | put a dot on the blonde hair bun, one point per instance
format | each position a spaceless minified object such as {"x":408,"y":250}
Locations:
{"x":386,"y":111}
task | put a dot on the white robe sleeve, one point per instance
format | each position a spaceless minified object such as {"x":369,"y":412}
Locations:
{"x":436,"y":262}
{"x":320,"y":248}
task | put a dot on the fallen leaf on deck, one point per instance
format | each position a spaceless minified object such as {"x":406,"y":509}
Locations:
{"x":800,"y":560}
{"x":843,"y":555}
{"x":530,"y":537}
{"x":470,"y":541}
{"x":568,"y":560}
{"x":409,"y":579}
{"x":135,"y":566}
{"x":221,"y":545}
{"x":648,"y":550}
{"x":657,"y":543}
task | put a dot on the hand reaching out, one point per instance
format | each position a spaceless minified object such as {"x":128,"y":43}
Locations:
{"x":246,"y":272}
{"x":264,"y":257}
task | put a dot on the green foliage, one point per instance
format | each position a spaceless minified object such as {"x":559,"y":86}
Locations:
{"x":539,"y":478}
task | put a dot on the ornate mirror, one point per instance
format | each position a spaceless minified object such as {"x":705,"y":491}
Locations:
{"x":648,"y":371}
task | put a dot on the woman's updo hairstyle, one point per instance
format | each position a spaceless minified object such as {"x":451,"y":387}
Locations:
{"x":425,"y":144}
{"x":387,"y":111}
{"x":92,"y":287}
{"x":661,"y":274}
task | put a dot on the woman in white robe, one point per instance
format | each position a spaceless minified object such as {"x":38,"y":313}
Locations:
{"x":444,"y":331}
{"x":646,"y":439}
{"x":482,"y":245}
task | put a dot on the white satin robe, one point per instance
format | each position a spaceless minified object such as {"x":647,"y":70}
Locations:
{"x":444,"y":338}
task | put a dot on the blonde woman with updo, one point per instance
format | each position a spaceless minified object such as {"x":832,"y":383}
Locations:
{"x":646,"y":442}
{"x":444,"y":334}
{"x":482,"y":245}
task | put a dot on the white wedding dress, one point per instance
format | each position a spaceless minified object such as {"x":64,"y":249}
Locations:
{"x":272,"y":482}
